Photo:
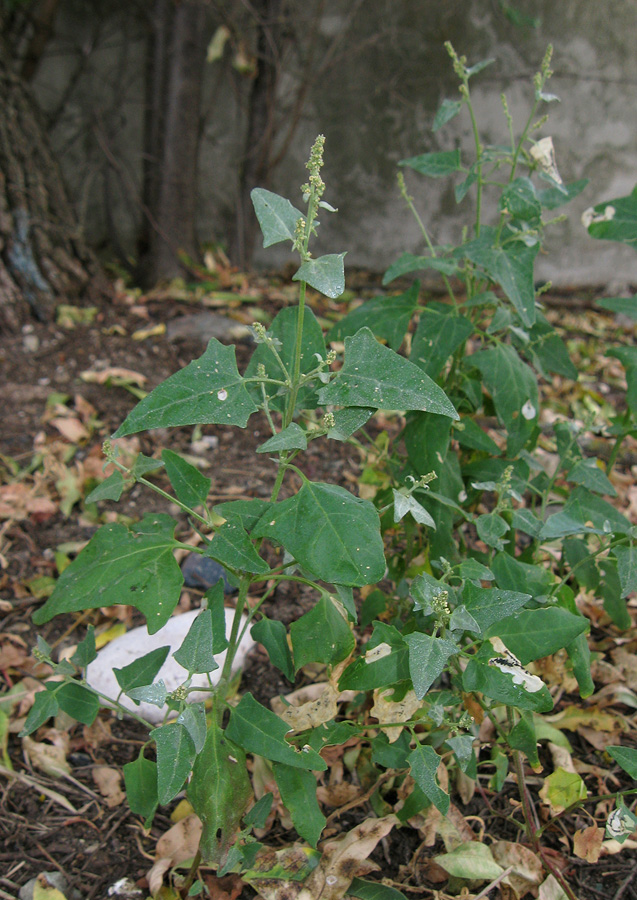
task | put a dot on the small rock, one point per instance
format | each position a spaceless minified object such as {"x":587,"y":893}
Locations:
{"x":202,"y":572}
{"x":126,"y":649}
{"x":205,"y":325}
{"x":30,"y":342}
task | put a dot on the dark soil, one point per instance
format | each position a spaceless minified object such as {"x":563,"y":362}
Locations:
{"x":96,"y":846}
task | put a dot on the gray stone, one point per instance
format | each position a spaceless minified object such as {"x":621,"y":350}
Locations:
{"x":205,"y":325}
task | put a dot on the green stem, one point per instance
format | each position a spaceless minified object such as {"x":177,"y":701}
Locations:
{"x":162,"y":493}
{"x":423,"y":230}
{"x":478,"y":146}
{"x":527,"y":810}
{"x":233,"y":642}
{"x":190,"y":877}
{"x":612,"y":459}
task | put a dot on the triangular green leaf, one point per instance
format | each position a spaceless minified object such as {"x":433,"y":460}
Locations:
{"x":437,"y":337}
{"x":375,"y":376}
{"x":428,"y":657}
{"x":277,"y":217}
{"x":290,"y":438}
{"x":190,"y":486}
{"x":175,"y":756}
{"x":219,"y":792}
{"x":195,"y":653}
{"x":321,"y":635}
{"x":141,"y":671}
{"x":79,"y":702}
{"x":136,"y":567}
{"x":424,"y":762}
{"x":434,"y":164}
{"x":325,"y":274}
{"x":110,"y":489}
{"x":273,"y":635}
{"x":140,"y":779}
{"x":260,"y":731}
{"x":332,"y":534}
{"x":298,"y":793}
{"x":387,"y":317}
{"x":207,"y":391}
{"x":232,"y":547}
{"x":489,"y":605}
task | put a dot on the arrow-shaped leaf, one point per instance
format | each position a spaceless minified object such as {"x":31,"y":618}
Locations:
{"x":207,"y":391}
{"x":136,"y":567}
{"x":375,"y":376}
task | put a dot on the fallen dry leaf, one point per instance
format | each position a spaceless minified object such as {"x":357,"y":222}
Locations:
{"x":312,"y":713}
{"x":154,"y":331}
{"x":71,"y":429}
{"x":338,"y":866}
{"x":97,"y":734}
{"x":227,"y":888}
{"x":551,"y":890}
{"x":528,"y":871}
{"x":178,"y":844}
{"x":116,"y":374}
{"x":587,"y":844}
{"x":49,"y":758}
{"x":387,"y":710}
{"x":336,"y":795}
{"x":108,"y":782}
{"x":13,"y":651}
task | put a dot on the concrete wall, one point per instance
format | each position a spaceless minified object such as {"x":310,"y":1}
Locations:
{"x":375,"y":104}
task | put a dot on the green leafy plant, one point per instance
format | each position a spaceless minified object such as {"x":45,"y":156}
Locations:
{"x":466,"y":559}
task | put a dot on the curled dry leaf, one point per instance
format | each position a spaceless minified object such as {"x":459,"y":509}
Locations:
{"x":109,"y":785}
{"x":17,"y":501}
{"x":13,"y":651}
{"x":178,"y":844}
{"x":48,"y":758}
{"x":527,"y":871}
{"x":551,"y":890}
{"x":70,"y":428}
{"x":587,"y":844}
{"x":314,"y":712}
{"x":336,"y":795}
{"x":465,"y":786}
{"x":340,"y":861}
{"x":97,"y":734}
{"x":115,"y":374}
{"x":387,"y":710}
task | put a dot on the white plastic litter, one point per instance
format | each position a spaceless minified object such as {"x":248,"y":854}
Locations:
{"x":126,"y":649}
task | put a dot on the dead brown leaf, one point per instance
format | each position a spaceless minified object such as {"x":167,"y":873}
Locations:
{"x":527,"y":871}
{"x":108,"y":782}
{"x":178,"y":844}
{"x":387,"y":710}
{"x":13,"y":651}
{"x":97,"y":734}
{"x":49,"y":758}
{"x":587,"y":844}
{"x":116,"y":374}
{"x":227,"y":888}
{"x":340,"y":861}
{"x":318,"y":704}
{"x":70,"y":428}
{"x":336,"y":795}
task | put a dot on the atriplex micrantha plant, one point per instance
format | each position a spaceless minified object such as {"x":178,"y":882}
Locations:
{"x":461,"y":600}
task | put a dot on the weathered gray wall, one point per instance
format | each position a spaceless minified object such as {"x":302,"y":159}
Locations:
{"x":375,"y":107}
